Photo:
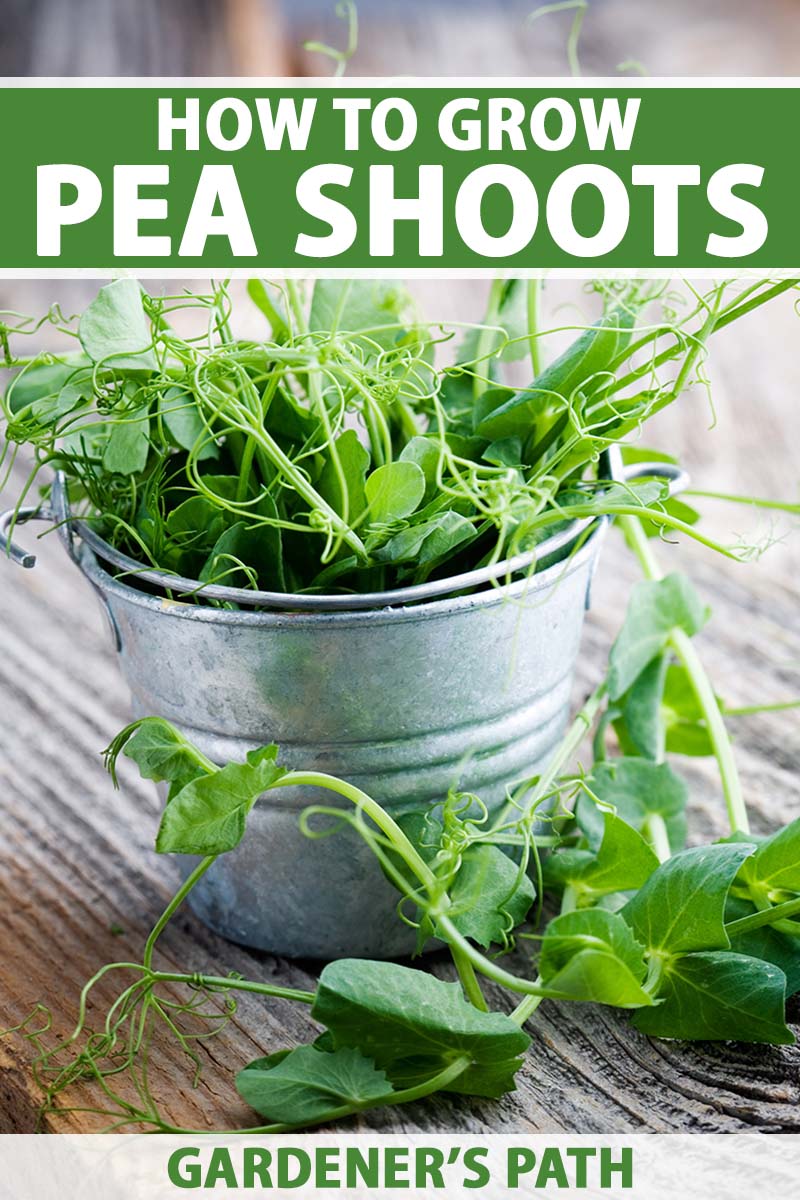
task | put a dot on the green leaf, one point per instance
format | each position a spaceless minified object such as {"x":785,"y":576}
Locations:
{"x":310,"y":1085}
{"x":505,"y":452}
{"x":208,"y":815}
{"x":162,"y":753}
{"x":40,"y":382}
{"x":634,"y":453}
{"x":43,"y":394}
{"x":457,"y":399}
{"x":490,"y":897}
{"x":256,"y":546}
{"x":636,"y":788}
{"x":394,"y":491}
{"x":656,"y":607}
{"x":352,"y":305}
{"x":390,"y":1012}
{"x":115,"y":330}
{"x":642,"y":492}
{"x":426,"y":452}
{"x":272,"y":308}
{"x":623,"y":862}
{"x":354,"y":464}
{"x":681,"y":907}
{"x":427,"y":541}
{"x":179,"y":412}
{"x":674,"y":508}
{"x":592,"y":955}
{"x":767,"y":943}
{"x":197,"y":524}
{"x":578,"y":367}
{"x":661,"y":705}
{"x":488,"y":1080}
{"x":73,"y":395}
{"x":641,"y":709}
{"x":686,"y":730}
{"x":288,"y":418}
{"x":719,"y":996}
{"x":776,"y":863}
{"x":128,"y":445}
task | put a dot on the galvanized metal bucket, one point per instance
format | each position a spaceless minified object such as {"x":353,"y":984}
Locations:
{"x":403,"y":700}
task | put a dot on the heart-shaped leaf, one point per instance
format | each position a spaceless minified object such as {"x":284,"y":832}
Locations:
{"x":390,"y":1012}
{"x":114,"y":329}
{"x":655,"y":608}
{"x":394,"y":491}
{"x":208,"y":815}
{"x":719,"y":996}
{"x":682,"y":905}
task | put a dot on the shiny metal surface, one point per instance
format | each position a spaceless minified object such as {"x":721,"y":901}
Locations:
{"x":470,"y":691}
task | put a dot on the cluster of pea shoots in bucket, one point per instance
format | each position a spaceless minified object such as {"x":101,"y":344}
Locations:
{"x":697,"y":943}
{"x":333,"y":455}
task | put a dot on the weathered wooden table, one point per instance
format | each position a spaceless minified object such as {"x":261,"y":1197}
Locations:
{"x":76,"y":858}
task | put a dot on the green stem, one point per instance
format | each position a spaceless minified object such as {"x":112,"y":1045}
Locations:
{"x":682,"y":645}
{"x":485,"y":965}
{"x":236,"y":985}
{"x":301,"y":485}
{"x":655,"y":830}
{"x":641,"y":511}
{"x":754,"y":501}
{"x":402,"y":846}
{"x":720,"y":320}
{"x":245,"y":469}
{"x":469,"y":980}
{"x":370,"y":808}
{"x":768,"y":916}
{"x":566,"y":748}
{"x":525,"y":1009}
{"x":487,"y":334}
{"x":534,"y":296}
{"x":752,"y":710}
{"x":738,"y":309}
{"x":174,"y":904}
{"x":528,"y":1006}
{"x":296,"y":305}
{"x":315,"y":389}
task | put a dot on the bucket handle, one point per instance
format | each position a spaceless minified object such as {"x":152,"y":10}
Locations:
{"x":20,"y":516}
{"x":677,"y":479}
{"x":23,"y":558}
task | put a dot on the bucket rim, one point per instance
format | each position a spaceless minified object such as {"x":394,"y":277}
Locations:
{"x":495,"y":574}
{"x":519,"y":591}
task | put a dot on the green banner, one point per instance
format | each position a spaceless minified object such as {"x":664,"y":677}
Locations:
{"x":382,"y":177}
